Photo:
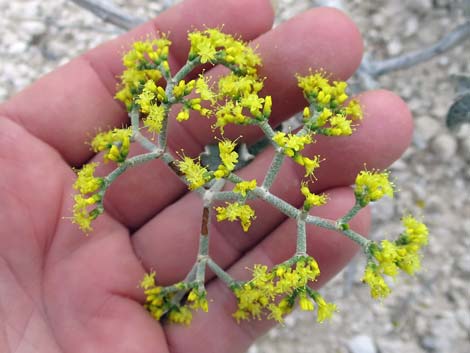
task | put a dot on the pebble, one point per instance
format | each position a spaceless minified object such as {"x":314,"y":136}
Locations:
{"x":361,"y":344}
{"x":426,"y":128}
{"x":411,"y":26}
{"x":394,"y":47}
{"x":444,"y":146}
{"x":17,"y":48}
{"x":34,"y":28}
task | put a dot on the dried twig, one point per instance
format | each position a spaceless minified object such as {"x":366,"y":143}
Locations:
{"x":370,"y":70}
{"x":109,"y":12}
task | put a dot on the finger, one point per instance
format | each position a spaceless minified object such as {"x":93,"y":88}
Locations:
{"x":383,"y":136}
{"x":217,"y":330}
{"x":70,"y":104}
{"x":287,"y":50}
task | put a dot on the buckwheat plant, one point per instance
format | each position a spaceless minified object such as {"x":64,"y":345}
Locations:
{"x":150,"y":92}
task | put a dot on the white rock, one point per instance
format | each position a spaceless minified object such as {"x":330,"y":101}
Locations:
{"x":361,"y":344}
{"x":394,"y":47}
{"x":411,"y":26}
{"x":444,"y":146}
{"x":18,"y":48}
{"x":34,"y":28}
{"x":426,"y":128}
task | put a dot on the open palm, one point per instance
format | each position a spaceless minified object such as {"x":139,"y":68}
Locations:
{"x":63,"y":292}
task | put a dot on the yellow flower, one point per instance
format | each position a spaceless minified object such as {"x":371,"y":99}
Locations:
{"x":148,"y":281}
{"x":268,"y":103}
{"x":305,"y":303}
{"x":325,"y":310}
{"x":323,"y":117}
{"x":147,"y":97}
{"x":86,"y":182}
{"x":180,"y":315}
{"x":81,"y":216}
{"x":416,"y":232}
{"x":194,"y":172}
{"x":198,"y":300}
{"x":183,"y":115}
{"x":354,"y":110}
{"x":183,"y":88}
{"x":228,"y":157}
{"x":312,"y":199}
{"x":387,"y":255}
{"x":230,"y":112}
{"x":154,"y":120}
{"x":236,"y":211}
{"x":116,"y":142}
{"x":340,"y":126}
{"x":308,"y":163}
{"x":372,"y":186}
{"x":378,"y":287}
{"x":281,"y":285}
{"x":243,"y":187}
{"x":204,"y":91}
{"x":292,"y":143}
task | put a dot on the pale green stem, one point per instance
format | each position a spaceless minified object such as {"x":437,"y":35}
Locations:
{"x":265,"y":195}
{"x":273,"y":170}
{"x":184,"y":71}
{"x":322,"y":222}
{"x":202,"y":259}
{"x":336,"y":226}
{"x":268,"y":131}
{"x":350,"y":215}
{"x":137,"y":135}
{"x":226,"y":196}
{"x":224,"y":276}
{"x":129,"y":163}
{"x":359,"y":239}
{"x":301,"y":249}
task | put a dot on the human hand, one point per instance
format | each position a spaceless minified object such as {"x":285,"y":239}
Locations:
{"x":63,"y":292}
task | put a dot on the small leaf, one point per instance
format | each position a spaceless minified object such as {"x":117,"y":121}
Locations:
{"x":459,"y":112}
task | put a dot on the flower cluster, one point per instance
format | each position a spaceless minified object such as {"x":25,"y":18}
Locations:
{"x":244,"y":187}
{"x":86,"y":183}
{"x":274,"y":293}
{"x":236,"y":211}
{"x":390,"y":257}
{"x":228,"y":157}
{"x":326,"y":114}
{"x":371,"y":186}
{"x":312,"y":199}
{"x":292,"y":144}
{"x":146,"y":61}
{"x":196,"y":175}
{"x":154,"y":94}
{"x":160,"y":301}
{"x":116,"y":143}
{"x":214,"y":46}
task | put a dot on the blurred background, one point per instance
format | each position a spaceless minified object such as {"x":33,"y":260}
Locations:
{"x":429,"y":313}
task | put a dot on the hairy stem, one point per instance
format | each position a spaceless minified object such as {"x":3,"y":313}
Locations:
{"x":350,"y":215}
{"x":301,"y":249}
{"x":137,"y":135}
{"x":220,"y":273}
{"x":273,"y":170}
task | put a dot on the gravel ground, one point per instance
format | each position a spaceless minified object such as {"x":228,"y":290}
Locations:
{"x":429,"y":313}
